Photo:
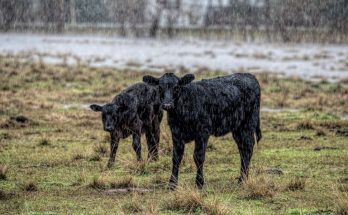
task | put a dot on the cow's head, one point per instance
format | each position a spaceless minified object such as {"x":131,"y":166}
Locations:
{"x":115,"y":114}
{"x":169,"y":87}
{"x":109,"y":115}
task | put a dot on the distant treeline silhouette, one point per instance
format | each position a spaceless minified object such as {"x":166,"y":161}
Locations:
{"x":282,"y":19}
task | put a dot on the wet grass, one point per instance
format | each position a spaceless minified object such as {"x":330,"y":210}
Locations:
{"x":53,"y":151}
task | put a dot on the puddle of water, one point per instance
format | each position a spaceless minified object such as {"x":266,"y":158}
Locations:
{"x":76,"y":106}
{"x":278,"y":110}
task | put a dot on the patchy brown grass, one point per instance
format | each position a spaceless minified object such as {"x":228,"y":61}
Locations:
{"x":296,"y":184}
{"x":341,"y":202}
{"x":44,"y":142}
{"x":78,"y":156}
{"x":185,"y":199}
{"x":258,"y":187}
{"x":101,"y":149}
{"x":98,"y":183}
{"x":134,"y":205}
{"x":126,"y":182}
{"x":188,"y":200}
{"x":55,"y":97}
{"x":137,"y":167}
{"x":95,"y":157}
{"x":3,"y":172}
{"x":30,"y":186}
{"x":3,"y":195}
{"x":304,"y":125}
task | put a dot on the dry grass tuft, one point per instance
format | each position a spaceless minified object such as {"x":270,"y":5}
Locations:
{"x":283,"y":100}
{"x":341,"y":202}
{"x":215,"y":207}
{"x":44,"y":142}
{"x":304,"y":125}
{"x":3,"y":172}
{"x":100,"y":149}
{"x":98,"y":184}
{"x":159,"y":181}
{"x":77,"y":156}
{"x":320,"y":132}
{"x":126,"y":182}
{"x":296,"y":184}
{"x":188,"y":200}
{"x":3,"y":195}
{"x":185,"y":199}
{"x":133,"y":206}
{"x":139,"y":167}
{"x":258,"y":187}
{"x":95,"y":157}
{"x":30,"y":186}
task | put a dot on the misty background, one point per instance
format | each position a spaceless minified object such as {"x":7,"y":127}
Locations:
{"x":245,"y":20}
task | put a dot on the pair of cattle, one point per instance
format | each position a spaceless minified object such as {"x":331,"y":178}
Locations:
{"x":195,"y":110}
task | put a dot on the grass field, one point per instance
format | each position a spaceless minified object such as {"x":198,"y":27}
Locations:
{"x":53,"y":151}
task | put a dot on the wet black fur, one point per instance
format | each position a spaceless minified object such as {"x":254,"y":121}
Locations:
{"x":210,"y":107}
{"x":134,"y":111}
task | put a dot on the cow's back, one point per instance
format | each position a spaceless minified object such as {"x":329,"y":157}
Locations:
{"x":220,"y":104}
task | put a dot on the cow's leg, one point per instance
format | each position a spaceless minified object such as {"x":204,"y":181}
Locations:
{"x":137,"y":145}
{"x":178,"y":152}
{"x":245,"y":140}
{"x":152,"y":145}
{"x":156,"y":133}
{"x":199,"y":157}
{"x":113,"y":148}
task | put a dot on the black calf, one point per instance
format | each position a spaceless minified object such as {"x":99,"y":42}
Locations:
{"x":210,"y":107}
{"x":134,"y":111}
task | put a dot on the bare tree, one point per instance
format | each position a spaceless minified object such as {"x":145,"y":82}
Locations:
{"x":173,"y":9}
{"x":8,"y":11}
{"x":60,"y":16}
{"x":72,"y":10}
{"x":129,"y":13}
{"x":156,"y":17}
{"x":268,"y":19}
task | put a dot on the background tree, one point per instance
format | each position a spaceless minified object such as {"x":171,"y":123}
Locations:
{"x":8,"y":12}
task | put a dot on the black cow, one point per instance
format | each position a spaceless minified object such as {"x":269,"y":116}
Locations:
{"x":135,"y":110}
{"x":210,"y":107}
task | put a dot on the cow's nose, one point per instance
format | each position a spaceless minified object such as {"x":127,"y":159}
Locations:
{"x":167,"y":106}
{"x":108,"y":128}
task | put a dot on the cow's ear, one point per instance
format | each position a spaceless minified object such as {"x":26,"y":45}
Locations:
{"x":186,"y":79}
{"x":96,"y":108}
{"x":150,"y":80}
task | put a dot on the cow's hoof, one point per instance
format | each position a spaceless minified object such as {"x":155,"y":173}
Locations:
{"x":240,"y":180}
{"x":199,"y":184}
{"x":171,"y":186}
{"x":109,"y":165}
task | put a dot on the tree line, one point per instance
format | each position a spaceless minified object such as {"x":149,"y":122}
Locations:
{"x":129,"y":16}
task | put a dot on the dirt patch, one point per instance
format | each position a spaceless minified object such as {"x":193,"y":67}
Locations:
{"x":306,"y":138}
{"x":342,"y":132}
{"x":6,"y":196}
{"x":17,"y":122}
{"x":128,"y":190}
{"x":5,"y":136}
{"x":304,"y":126}
{"x":331,"y":125}
{"x":319,"y":148}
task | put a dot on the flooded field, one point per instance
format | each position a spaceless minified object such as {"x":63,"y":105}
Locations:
{"x":308,"y":61}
